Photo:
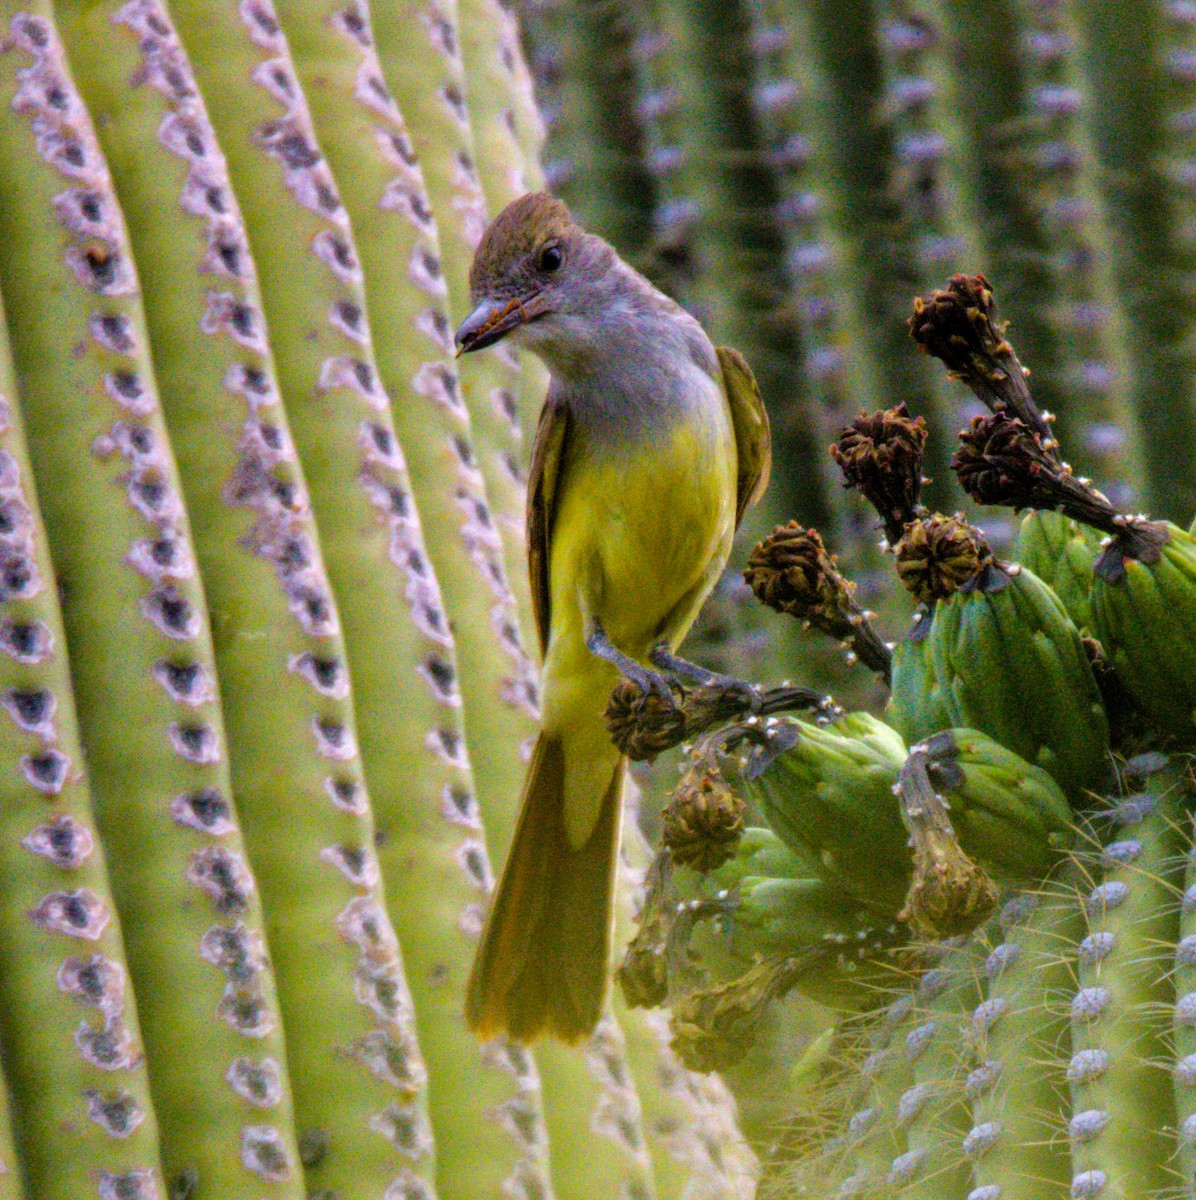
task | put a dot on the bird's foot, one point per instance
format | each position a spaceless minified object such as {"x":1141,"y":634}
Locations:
{"x":743,"y":695}
{"x":662,"y":690}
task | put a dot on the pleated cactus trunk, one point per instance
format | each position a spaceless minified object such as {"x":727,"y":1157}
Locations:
{"x":263,"y":676}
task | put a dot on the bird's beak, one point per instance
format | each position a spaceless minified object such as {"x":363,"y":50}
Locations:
{"x":492,"y":320}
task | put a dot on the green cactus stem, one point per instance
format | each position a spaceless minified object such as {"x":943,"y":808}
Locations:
{"x":369,"y":144}
{"x":65,"y":995}
{"x":856,"y":157}
{"x":11,"y":1187}
{"x":1135,"y":60}
{"x":1092,"y":376}
{"x":1123,"y":1115}
{"x":252,"y":519}
{"x":136,"y":621}
{"x":383,"y":566}
{"x":1018,"y":1087}
{"x":935,"y":1107}
{"x":421,"y":63}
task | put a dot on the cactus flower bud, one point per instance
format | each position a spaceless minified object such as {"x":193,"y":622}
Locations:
{"x":702,"y":824}
{"x":937,"y":555}
{"x":880,"y":455}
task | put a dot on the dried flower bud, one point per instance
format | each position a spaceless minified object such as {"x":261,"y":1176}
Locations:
{"x":714,"y":1028}
{"x":791,"y":571}
{"x":703,"y":822}
{"x":958,"y":325}
{"x":937,"y":555}
{"x":642,"y":726}
{"x":880,"y":455}
{"x":1002,"y":461}
{"x":949,"y":894}
{"x":643,"y":974}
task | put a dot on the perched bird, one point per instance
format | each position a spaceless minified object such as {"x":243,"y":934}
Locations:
{"x":650,"y":446}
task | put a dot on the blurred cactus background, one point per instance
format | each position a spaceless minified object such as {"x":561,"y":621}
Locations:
{"x":265,"y":665}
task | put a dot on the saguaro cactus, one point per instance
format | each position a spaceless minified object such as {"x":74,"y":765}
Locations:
{"x":285,"y":599}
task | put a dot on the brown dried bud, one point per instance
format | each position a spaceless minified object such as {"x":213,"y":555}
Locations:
{"x":958,"y":325}
{"x":937,"y":555}
{"x":1002,"y":461}
{"x":643,"y":726}
{"x":703,"y":822}
{"x":714,"y":1028}
{"x":880,"y":455}
{"x":643,"y":974}
{"x":949,"y":894}
{"x":791,"y":571}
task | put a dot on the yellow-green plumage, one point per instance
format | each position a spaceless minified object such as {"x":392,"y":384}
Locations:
{"x":650,"y":446}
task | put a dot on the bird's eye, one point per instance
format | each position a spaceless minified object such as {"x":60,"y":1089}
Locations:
{"x":551,"y":258}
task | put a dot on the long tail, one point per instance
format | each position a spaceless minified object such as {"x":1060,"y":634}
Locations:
{"x":543,"y":962}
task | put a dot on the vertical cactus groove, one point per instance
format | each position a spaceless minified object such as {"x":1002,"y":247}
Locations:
{"x":484,"y":1104}
{"x":1092,"y":374}
{"x":68,"y":1018}
{"x":1136,"y":60}
{"x":1123,"y":1115}
{"x":136,"y":622}
{"x":374,"y":145}
{"x":935,"y":1108}
{"x":354,"y":1061}
{"x":1018,"y":1086}
{"x":420,"y":53}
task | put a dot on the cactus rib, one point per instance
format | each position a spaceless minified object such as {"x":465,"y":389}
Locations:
{"x":135,"y":614}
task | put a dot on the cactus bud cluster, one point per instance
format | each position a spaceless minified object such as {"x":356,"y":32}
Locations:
{"x":990,"y":843}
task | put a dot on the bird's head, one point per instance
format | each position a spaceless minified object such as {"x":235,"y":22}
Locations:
{"x":535,"y":271}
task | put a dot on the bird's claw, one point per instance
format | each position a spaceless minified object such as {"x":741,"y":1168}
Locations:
{"x":654,"y":684}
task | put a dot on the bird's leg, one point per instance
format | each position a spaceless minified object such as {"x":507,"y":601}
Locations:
{"x":649,"y":682}
{"x":661,"y":656}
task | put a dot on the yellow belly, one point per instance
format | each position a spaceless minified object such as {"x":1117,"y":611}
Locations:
{"x":639,"y":539}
